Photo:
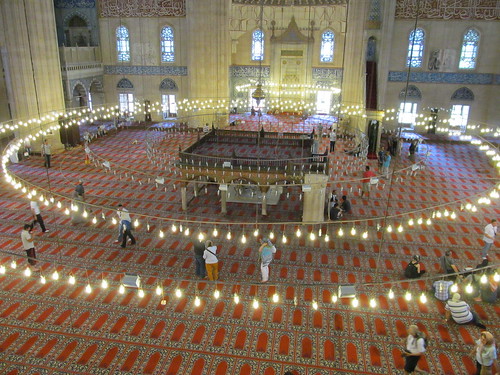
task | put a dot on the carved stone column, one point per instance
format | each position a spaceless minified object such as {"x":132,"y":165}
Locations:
{"x":353,"y":80}
{"x":32,"y":58}
{"x":184,"y":196}
{"x":314,"y":197}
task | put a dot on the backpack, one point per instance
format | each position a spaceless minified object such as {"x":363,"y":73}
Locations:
{"x":266,"y":255}
{"x":421,"y":335}
{"x":411,"y":271}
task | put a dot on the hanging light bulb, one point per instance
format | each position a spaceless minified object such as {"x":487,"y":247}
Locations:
{"x":320,"y":232}
{"x":228,"y":236}
{"x":446,"y":213}
{"x":256,"y":232}
{"x":327,"y":237}
{"x":283,"y":239}
{"x":453,"y":215}
{"x":27,"y":272}
{"x":483,"y":279}
{"x":178,"y":293}
{"x":66,"y":211}
{"x":186,"y":232}
{"x":474,"y":209}
{"x":141,"y":293}
{"x":59,"y":205}
{"x":174,"y":228}
{"x":438,"y":214}
{"x":353,"y":231}
{"x":400,"y":228}
{"x":43,"y":280}
{"x":88,"y":289}
{"x":159,"y":290}
{"x":215,"y":233}
{"x":55,"y":275}
{"x":408,"y":296}
{"x":423,"y":298}
{"x":298,"y":233}
{"x":410,"y":222}
{"x":454,"y":288}
{"x":104,"y":284}
{"x":341,"y":232}
{"x":13,"y":265}
{"x":236,"y":298}
{"x":243,"y":239}
{"x":373,"y":303}
{"x":181,"y":229}
{"x":136,"y":223}
{"x":121,"y":289}
{"x":71,"y":280}
{"x":94,"y":220}
{"x":365,"y":235}
{"x":276,"y":298}
{"x":391,"y":294}
{"x":389,"y":228}
{"x":2,"y":270}
{"x":496,"y":277}
{"x":312,"y":236}
{"x":469,"y":289}
{"x":216,"y":294}
{"x":255,"y":304}
{"x":468,"y":206}
{"x":334,"y":298}
{"x":420,"y":221}
{"x":271,"y":235}
{"x":197,"y":301}
{"x":428,"y":222}
{"x":85,"y":214}
{"x":355,"y":302}
{"x":315,"y":305}
{"x":113,"y":221}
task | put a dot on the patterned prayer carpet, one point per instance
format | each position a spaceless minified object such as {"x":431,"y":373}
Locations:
{"x":59,"y":328}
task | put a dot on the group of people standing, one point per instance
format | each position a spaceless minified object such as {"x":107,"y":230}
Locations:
{"x":207,"y":262}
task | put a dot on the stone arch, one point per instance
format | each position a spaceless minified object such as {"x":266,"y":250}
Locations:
{"x":124,"y":83}
{"x":168,"y":84}
{"x":463,"y":93}
{"x":76,"y":13}
{"x":412,"y":93}
{"x":79,"y":95}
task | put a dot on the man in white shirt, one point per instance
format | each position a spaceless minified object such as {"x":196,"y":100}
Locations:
{"x":37,"y":216}
{"x":29,"y":246}
{"x":490,"y":231}
{"x":414,"y":349}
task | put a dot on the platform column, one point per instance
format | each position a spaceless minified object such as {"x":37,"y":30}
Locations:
{"x":184,"y":197}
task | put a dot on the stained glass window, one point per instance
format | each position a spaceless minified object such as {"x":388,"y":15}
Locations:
{"x":327,"y":46}
{"x":258,"y":45}
{"x":468,"y":55}
{"x":122,"y":43}
{"x":167,"y":44}
{"x":416,"y":48}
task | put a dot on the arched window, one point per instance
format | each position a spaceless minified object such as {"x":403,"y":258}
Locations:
{"x":416,"y":43}
{"x":468,"y":55}
{"x":167,"y":44}
{"x":122,"y":43}
{"x":258,"y":45}
{"x":327,"y":46}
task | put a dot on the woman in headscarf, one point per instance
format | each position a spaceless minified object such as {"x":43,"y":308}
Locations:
{"x":486,"y":354}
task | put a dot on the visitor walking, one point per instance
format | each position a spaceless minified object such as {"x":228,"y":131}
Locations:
{"x":266,"y":254}
{"x":415,"y":347}
{"x":211,"y":261}
{"x":46,"y":153}
{"x":199,"y":249}
{"x":366,"y":181}
{"x":333,"y":139}
{"x":37,"y":215}
{"x":29,"y":246}
{"x":490,"y":231}
{"x":123,"y":216}
{"x":485,"y":353}
{"x":386,"y":164}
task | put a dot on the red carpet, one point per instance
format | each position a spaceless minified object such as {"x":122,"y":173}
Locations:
{"x":59,"y":328}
